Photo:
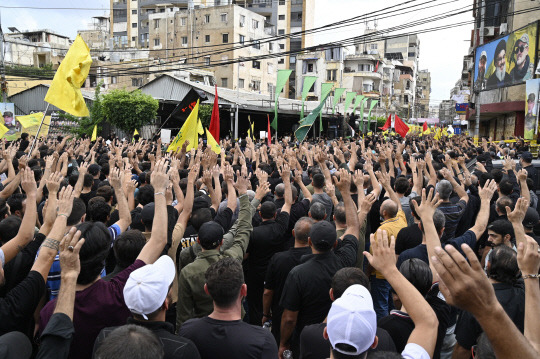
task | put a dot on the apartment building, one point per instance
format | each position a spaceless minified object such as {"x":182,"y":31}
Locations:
{"x":97,"y":34}
{"x":35,"y":48}
{"x":423,"y":89}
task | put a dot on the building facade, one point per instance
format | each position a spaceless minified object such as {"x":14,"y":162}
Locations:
{"x":37,"y":48}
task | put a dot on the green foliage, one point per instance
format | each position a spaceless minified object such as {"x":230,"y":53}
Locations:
{"x":128,"y":110}
{"x":86,"y":124}
{"x":45,"y":72}
{"x":205,"y":114}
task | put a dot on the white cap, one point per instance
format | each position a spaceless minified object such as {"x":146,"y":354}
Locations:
{"x":147,"y":287}
{"x":352,"y":320}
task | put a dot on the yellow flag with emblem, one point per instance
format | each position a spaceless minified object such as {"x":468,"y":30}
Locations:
{"x":212,"y":143}
{"x":189,"y":131}
{"x":65,"y":89}
{"x":94,"y":134}
{"x":33,"y":119}
{"x":3,"y":130}
{"x":135,"y":133}
{"x":200,"y":128}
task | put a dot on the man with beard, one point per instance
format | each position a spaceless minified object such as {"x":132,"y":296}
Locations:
{"x":480,"y":82}
{"x":524,"y":68}
{"x":530,"y":118}
{"x":499,"y":78}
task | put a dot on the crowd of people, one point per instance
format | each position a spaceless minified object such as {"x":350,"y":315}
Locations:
{"x":365,"y":247}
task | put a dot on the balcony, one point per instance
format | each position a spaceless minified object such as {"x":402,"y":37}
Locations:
{"x":263,"y":7}
{"x":367,"y":74}
{"x":405,"y":77}
{"x":146,"y":3}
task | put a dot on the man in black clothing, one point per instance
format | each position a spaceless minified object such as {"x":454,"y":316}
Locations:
{"x":410,"y":236}
{"x":305,"y":294}
{"x":279,"y":267}
{"x":312,"y":343}
{"x":266,"y":240}
{"x":147,"y":295}
{"x":223,"y":334}
{"x":526,"y":163}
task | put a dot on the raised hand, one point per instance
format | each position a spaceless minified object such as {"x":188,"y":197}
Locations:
{"x":428,"y":206}
{"x":241,"y":183}
{"x":114,"y":177}
{"x":518,"y":214}
{"x":358,"y":179}
{"x":522,"y":175}
{"x":383,"y":178}
{"x":159,"y":178}
{"x":53,"y":183}
{"x":285,"y":172}
{"x":486,"y":192}
{"x":70,"y":247}
{"x":28,"y":182}
{"x":344,"y":183}
{"x":368,"y":202}
{"x":262,"y":190}
{"x":528,"y":257}
{"x":384,"y":255}
{"x":65,"y":201}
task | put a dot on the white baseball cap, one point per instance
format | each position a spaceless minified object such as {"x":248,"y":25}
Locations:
{"x":352,"y":320}
{"x":147,"y":287}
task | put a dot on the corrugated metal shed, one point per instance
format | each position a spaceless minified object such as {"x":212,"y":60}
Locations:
{"x":31,"y":100}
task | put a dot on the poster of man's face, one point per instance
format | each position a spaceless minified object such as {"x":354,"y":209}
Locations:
{"x":7,"y":111}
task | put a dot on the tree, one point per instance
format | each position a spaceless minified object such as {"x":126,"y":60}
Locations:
{"x":129,"y":110}
{"x":86,"y":124}
{"x":205,"y":114}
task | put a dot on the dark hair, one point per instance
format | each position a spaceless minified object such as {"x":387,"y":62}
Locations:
{"x":302,"y":228}
{"x":106,"y":192}
{"x":98,"y":210}
{"x":88,"y":180}
{"x":497,"y":174}
{"x":15,"y":202}
{"x":9,"y":227}
{"x":200,"y":217}
{"x":317,"y":211}
{"x":418,"y":273}
{"x":73,"y":180}
{"x":503,"y":202}
{"x":384,"y":355}
{"x":318,"y":180}
{"x":483,"y":178}
{"x":347,"y":348}
{"x":146,"y":195}
{"x":503,"y":265}
{"x":4,"y":209}
{"x":418,"y":200}
{"x":268,"y":210}
{"x":94,"y":250}
{"x":402,"y":185}
{"x":484,"y":349}
{"x":506,"y":187}
{"x":78,"y":211}
{"x":530,"y":184}
{"x":340,"y":214}
{"x":502,"y":227}
{"x":224,"y":279}
{"x":127,"y":247}
{"x":130,"y":342}
{"x":345,"y":277}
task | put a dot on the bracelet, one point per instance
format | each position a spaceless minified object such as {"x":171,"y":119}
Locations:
{"x":63,"y":214}
{"x":527,"y":276}
{"x":158,"y":193}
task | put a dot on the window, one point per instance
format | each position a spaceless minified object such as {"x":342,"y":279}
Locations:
{"x":161,"y":10}
{"x":270,"y":88}
{"x":183,"y":21}
{"x":224,"y":82}
{"x":281,"y":32}
{"x":373,"y":46}
{"x":281,"y":17}
{"x":256,"y":44}
{"x":136,"y":82}
{"x":206,"y":19}
{"x":256,"y":65}
{"x":281,"y":46}
{"x":292,"y":59}
{"x":368,"y":87}
{"x":331,"y":75}
{"x":184,"y":40}
{"x":281,"y":61}
{"x":133,"y":12}
{"x":156,"y":42}
{"x":133,"y":38}
{"x":242,"y":20}
{"x":223,"y":17}
{"x":270,"y":69}
{"x":225,"y":38}
{"x":207,"y":60}
{"x":206,"y":38}
{"x":241,"y":83}
{"x":114,"y":79}
{"x":242,"y":39}
{"x":134,"y":25}
{"x":412,"y":54}
{"x":309,"y":67}
{"x":365,"y":67}
{"x":255,"y":24}
{"x":156,"y":23}
{"x":270,"y":46}
{"x":255,"y":85}
{"x":281,"y":2}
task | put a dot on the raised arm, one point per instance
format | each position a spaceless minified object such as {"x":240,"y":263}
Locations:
{"x":516,"y":217}
{"x":188,"y":200}
{"x":462,"y":194}
{"x":123,"y":208}
{"x":524,"y":189}
{"x":305,"y":191}
{"x":83,"y":168}
{"x":432,"y":173}
{"x":482,"y":218}
{"x":384,"y":179}
{"x":285,"y":173}
{"x":154,"y":247}
{"x":344,"y":186}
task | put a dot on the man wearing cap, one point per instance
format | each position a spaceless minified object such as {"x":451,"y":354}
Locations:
{"x":193,"y":302}
{"x":305,"y":294}
{"x":500,"y":77}
{"x":148,"y":296}
{"x":480,"y":82}
{"x":530,"y":221}
{"x":524,"y":68}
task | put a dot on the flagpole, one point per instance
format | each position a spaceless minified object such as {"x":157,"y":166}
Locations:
{"x":39,"y":130}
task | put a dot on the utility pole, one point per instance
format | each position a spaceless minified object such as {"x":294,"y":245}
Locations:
{"x":477,"y":123}
{"x":3,"y":83}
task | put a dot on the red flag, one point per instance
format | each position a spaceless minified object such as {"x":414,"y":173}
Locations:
{"x":401,"y":127}
{"x":214,"y":121}
{"x":387,"y":124}
{"x":376,"y":66}
{"x":269,"y":134}
{"x":424,"y":128}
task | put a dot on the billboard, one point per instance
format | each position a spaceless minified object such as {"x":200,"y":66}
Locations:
{"x":7,"y":118}
{"x":461,"y":108}
{"x":532,"y":90}
{"x":507,"y":61}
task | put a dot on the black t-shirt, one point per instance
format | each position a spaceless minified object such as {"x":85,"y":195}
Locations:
{"x":314,"y":346}
{"x":229,"y":339}
{"x":87,"y":197}
{"x":307,"y":285}
{"x":512,"y":299}
{"x":409,"y":237}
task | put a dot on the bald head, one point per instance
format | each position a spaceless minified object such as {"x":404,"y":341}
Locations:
{"x":389,"y":209}
{"x":280,"y":190}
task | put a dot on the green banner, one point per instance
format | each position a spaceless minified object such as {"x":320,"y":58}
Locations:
{"x":371,"y":105}
{"x":358,"y":101}
{"x":337,"y":96}
{"x":307,"y":122}
{"x":282,"y":78}
{"x":362,"y":112}
{"x":308,"y":82}
{"x":348,"y":99}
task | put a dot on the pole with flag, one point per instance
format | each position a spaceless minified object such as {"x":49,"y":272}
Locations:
{"x":65,"y":89}
{"x":214,"y":121}
{"x":308,"y":83}
{"x":362,"y":113}
{"x":282,"y":78}
{"x":303,"y":130}
{"x":371,"y":105}
{"x":94,"y":134}
{"x":268,"y":134}
{"x":189,"y":131}
{"x":337,"y":96}
{"x":401,"y":127}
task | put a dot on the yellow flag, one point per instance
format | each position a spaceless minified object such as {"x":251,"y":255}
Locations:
{"x":3,"y":130}
{"x":211,"y":142}
{"x":189,"y":131}
{"x":34,"y":119}
{"x":369,"y":133}
{"x":65,"y":89}
{"x":438,"y":134}
{"x":135,"y":133}
{"x":94,"y":134}
{"x":200,"y":128}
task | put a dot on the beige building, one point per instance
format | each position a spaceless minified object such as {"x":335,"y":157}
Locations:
{"x":97,"y":36}
{"x":423,"y":89}
{"x":35,"y":48}
{"x":210,"y":37}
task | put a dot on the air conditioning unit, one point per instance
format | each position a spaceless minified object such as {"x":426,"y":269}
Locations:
{"x":489,"y":31}
{"x":503,"y":29}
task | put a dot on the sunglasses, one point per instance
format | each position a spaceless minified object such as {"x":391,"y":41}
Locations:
{"x":521,"y":48}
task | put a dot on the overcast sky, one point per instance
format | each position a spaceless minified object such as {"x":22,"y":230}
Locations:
{"x":441,"y":52}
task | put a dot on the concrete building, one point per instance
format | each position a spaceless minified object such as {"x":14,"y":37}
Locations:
{"x":447,"y":112}
{"x":423,"y":88}
{"x":97,"y":36}
{"x":37,"y":48}
{"x":203,"y":38}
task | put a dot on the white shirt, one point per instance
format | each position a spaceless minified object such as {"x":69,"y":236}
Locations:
{"x":414,"y":351}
